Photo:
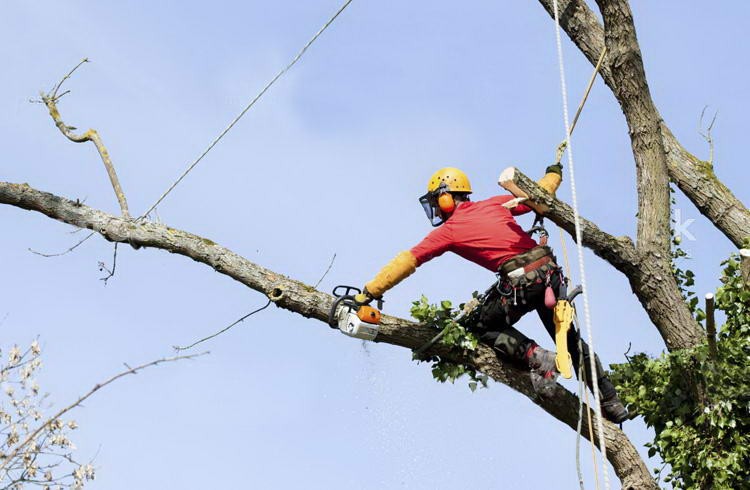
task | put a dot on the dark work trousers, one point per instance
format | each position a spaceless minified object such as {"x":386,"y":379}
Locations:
{"x":495,"y":324}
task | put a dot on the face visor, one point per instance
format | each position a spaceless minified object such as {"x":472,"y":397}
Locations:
{"x":430,"y":205}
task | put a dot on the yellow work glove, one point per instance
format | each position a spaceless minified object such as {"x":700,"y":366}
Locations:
{"x":402,"y":266}
{"x":552,"y":179}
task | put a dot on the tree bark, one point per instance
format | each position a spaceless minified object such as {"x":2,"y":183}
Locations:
{"x":694,"y":177}
{"x":307,"y":301}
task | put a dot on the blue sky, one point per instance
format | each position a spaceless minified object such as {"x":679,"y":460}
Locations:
{"x":343,"y":143}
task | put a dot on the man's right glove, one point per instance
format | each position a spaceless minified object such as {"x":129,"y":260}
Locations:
{"x":555,"y":169}
{"x":363,"y":298}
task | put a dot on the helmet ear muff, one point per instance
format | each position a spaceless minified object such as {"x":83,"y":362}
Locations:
{"x":446,"y":203}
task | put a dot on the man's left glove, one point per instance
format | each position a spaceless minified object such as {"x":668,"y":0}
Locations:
{"x":552,"y":178}
{"x":401,"y":267}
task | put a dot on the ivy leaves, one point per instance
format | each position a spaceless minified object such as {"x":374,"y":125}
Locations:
{"x":444,"y":318}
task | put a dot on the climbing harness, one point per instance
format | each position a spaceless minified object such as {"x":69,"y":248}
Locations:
{"x":562,"y":306}
{"x":582,"y":271}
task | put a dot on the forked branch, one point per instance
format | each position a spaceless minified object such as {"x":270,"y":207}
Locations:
{"x":50,"y":100}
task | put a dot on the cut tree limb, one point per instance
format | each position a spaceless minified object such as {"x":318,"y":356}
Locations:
{"x":307,"y":301}
{"x":655,"y":287}
{"x":620,"y":252}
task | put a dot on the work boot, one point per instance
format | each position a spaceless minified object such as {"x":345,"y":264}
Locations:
{"x":542,"y":361}
{"x":543,"y":370}
{"x":612,"y":408}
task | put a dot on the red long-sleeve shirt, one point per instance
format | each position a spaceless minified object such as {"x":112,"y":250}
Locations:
{"x":483,"y":232}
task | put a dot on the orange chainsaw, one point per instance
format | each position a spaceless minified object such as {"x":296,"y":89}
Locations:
{"x":354,"y":318}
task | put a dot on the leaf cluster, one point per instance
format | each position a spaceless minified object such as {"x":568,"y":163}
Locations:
{"x":685,"y":277}
{"x":460,"y":342}
{"x":699,"y":406}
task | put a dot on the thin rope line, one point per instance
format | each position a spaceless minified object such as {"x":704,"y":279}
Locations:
{"x":589,"y":423}
{"x":588,"y":89}
{"x":581,"y":389}
{"x":249,"y":106}
{"x":178,"y":348}
{"x":579,"y":245}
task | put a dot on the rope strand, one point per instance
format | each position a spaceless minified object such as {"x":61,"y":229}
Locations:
{"x":248,"y":107}
{"x":579,"y":246}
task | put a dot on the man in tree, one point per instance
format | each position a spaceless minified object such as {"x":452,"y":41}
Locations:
{"x":486,"y":233}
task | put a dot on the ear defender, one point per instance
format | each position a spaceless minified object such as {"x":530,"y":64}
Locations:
{"x":446,"y":203}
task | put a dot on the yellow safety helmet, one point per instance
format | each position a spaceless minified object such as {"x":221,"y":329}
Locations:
{"x":454,"y":179}
{"x":438,"y":203}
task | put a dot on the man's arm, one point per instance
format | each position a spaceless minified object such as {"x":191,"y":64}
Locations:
{"x":405,"y":263}
{"x":402,"y":266}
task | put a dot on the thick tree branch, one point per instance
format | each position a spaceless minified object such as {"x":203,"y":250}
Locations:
{"x":632,"y":92}
{"x":697,"y":180}
{"x":307,"y":301}
{"x":654,"y":286}
{"x":620,"y":252}
{"x":652,"y":281}
{"x":694,"y":177}
{"x":583,"y":27}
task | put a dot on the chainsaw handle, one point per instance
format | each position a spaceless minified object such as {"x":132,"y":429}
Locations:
{"x":348,"y":290}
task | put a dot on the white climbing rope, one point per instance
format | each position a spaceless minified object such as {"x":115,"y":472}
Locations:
{"x":579,"y":246}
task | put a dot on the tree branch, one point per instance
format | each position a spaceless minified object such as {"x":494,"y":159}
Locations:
{"x":695,"y":178}
{"x":8,"y":458}
{"x":628,"y":73}
{"x":620,"y":252}
{"x":623,"y":72}
{"x":654,"y":286}
{"x":307,"y":301}
{"x":50,"y":100}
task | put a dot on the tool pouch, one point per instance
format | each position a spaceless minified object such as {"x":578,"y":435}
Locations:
{"x":522,"y":270}
{"x":510,"y":289}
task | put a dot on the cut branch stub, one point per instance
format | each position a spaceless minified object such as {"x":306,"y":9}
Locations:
{"x":745,"y":266}
{"x":507,"y":182}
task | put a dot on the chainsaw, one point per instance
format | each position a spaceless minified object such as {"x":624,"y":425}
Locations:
{"x":354,"y":318}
